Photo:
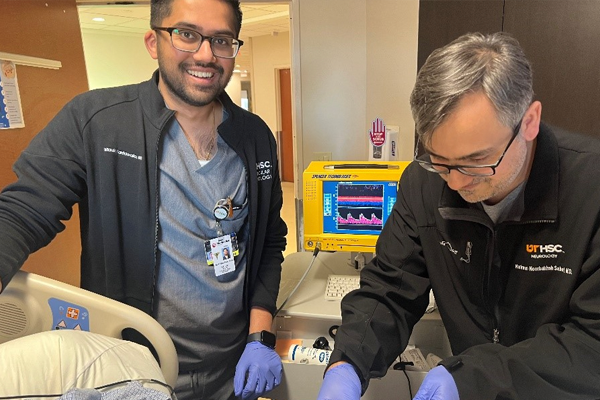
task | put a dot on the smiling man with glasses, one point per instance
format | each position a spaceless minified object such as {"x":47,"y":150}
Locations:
{"x":167,"y":174}
{"x":195,"y":43}
{"x":500,"y":216}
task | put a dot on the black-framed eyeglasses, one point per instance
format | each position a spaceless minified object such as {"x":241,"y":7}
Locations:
{"x":471,"y":170}
{"x":189,"y":40}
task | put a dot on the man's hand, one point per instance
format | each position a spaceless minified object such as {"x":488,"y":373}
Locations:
{"x":262,"y":366}
{"x":340,"y":383}
{"x":438,"y":385}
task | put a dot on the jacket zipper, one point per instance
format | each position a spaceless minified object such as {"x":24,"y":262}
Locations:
{"x":496,"y":316}
{"x":156,"y":201}
{"x":486,"y":290}
{"x":496,"y":329}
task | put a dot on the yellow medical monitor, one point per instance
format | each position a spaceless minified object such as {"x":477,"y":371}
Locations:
{"x":346,"y":204}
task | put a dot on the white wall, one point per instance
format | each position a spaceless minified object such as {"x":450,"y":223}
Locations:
{"x":269,"y":53}
{"x":115,"y":59}
{"x":234,"y":89}
{"x":354,"y":61}
{"x":392,"y":44}
{"x":119,"y":58}
{"x":333,"y":72}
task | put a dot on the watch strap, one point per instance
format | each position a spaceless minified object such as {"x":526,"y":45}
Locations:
{"x":265,"y":337}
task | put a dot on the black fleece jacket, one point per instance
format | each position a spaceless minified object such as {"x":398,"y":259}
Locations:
{"x":101,"y":151}
{"x":520,"y":300}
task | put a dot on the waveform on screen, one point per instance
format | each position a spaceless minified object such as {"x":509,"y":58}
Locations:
{"x":365,"y":218}
{"x":360,"y":207}
{"x":360,"y":201}
{"x":353,"y":195}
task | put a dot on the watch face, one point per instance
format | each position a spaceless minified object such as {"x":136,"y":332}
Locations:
{"x":268,"y":338}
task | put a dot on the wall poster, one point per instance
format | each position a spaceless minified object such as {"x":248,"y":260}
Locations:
{"x":11,"y":113}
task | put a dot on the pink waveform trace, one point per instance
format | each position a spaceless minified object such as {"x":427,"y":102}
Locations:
{"x":356,"y":199}
{"x":361,"y":220}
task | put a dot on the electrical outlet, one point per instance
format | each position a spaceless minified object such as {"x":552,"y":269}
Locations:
{"x":321,"y":156}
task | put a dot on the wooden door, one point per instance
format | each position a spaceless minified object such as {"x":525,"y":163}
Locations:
{"x":560,"y":39}
{"x":46,"y":29}
{"x":442,"y":21}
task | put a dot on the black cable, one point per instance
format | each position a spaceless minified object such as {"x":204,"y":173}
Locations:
{"x":409,"y":387}
{"x":401,"y":365}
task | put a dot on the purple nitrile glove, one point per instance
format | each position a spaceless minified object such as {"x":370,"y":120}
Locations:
{"x":262,"y":366}
{"x":438,"y":385}
{"x":340,"y":383}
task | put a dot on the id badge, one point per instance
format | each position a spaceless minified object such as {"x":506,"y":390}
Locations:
{"x":235,"y":247}
{"x":220,"y":253}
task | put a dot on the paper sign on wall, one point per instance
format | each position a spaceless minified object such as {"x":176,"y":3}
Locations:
{"x":11,"y":113}
{"x":377,"y":133}
{"x":384,"y":141}
{"x":377,"y":139}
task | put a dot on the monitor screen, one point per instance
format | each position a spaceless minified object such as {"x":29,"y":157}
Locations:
{"x":346,"y":204}
{"x":357,"y":207}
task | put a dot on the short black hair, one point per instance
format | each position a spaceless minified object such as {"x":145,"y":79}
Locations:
{"x":160,"y":9}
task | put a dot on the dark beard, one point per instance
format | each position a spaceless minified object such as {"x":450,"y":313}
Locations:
{"x":179,"y":91}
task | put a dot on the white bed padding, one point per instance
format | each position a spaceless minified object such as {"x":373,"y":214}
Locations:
{"x":54,"y":362}
{"x":31,"y":304}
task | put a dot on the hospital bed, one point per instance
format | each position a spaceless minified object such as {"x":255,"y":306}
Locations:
{"x":61,"y":336}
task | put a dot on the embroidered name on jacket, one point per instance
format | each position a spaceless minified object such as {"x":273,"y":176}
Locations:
{"x":263,"y":170}
{"x":122,"y":153}
{"x":544,"y":268}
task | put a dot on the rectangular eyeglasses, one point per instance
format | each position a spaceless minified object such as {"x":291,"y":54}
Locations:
{"x":471,"y":170}
{"x":188,"y":40}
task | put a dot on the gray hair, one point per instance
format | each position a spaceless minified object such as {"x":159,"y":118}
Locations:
{"x":494,"y":64}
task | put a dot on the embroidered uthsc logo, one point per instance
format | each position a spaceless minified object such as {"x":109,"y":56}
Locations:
{"x":263,"y":170}
{"x":468,"y":250}
{"x":544,"y":250}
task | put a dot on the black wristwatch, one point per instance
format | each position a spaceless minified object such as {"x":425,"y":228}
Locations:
{"x":265,"y":337}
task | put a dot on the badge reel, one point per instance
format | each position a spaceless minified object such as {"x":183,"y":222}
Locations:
{"x":222,"y":210}
{"x":221,"y":251}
